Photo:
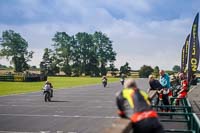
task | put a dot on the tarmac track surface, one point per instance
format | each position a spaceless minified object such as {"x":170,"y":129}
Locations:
{"x":88,"y":109}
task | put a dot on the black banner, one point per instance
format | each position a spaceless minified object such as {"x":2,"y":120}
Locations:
{"x":184,"y":56}
{"x":193,"y":59}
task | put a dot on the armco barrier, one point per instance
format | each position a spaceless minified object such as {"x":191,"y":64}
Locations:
{"x":32,"y":79}
{"x":22,"y":78}
{"x":6,"y":78}
{"x":18,"y":78}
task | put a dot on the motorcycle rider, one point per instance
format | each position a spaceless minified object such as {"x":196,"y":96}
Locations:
{"x":134,"y":104}
{"x":48,"y":87}
{"x":104,"y":80}
{"x":122,"y":79}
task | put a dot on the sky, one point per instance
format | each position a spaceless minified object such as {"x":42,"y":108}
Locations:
{"x":150,"y":32}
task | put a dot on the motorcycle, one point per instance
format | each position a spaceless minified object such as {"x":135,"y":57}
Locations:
{"x":122,"y":81}
{"x":47,"y":95}
{"x":104,"y":82}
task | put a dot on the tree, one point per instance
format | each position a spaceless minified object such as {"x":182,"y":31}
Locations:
{"x":125,"y":69}
{"x":48,"y":66}
{"x":86,"y":51}
{"x":176,"y":68}
{"x":15,"y":47}
{"x":63,"y":49}
{"x":156,"y":71}
{"x":113,"y":69}
{"x":103,"y":48}
{"x":76,"y":58}
{"x":33,"y":67}
{"x":3,"y":66}
{"x":145,"y":71}
{"x":83,"y":53}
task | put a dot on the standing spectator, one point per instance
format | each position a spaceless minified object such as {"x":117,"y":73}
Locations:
{"x":165,"y":82}
{"x":184,"y":88}
{"x":154,"y":85}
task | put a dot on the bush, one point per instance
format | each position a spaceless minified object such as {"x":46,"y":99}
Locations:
{"x":145,"y":71}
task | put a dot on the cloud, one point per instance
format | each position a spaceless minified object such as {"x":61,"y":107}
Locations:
{"x":155,"y":43}
{"x":140,"y":30}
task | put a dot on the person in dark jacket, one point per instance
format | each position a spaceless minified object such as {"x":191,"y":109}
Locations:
{"x":134,"y":104}
{"x":154,"y":85}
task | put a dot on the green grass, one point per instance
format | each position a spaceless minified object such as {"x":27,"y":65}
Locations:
{"x":7,"y":88}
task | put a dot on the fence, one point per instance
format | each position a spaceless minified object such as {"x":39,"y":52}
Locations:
{"x":23,"y":78}
{"x":182,"y":120}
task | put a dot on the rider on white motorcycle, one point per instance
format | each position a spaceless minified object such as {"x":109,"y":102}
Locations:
{"x":104,"y":81}
{"x":48,"y":87}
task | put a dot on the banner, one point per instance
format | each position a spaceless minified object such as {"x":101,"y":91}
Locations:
{"x":193,"y":60}
{"x":184,"y":56}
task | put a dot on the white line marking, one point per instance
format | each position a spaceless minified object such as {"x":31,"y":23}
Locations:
{"x":62,"y":116}
{"x":52,"y":106}
{"x":17,"y":132}
{"x":74,"y":94}
{"x":67,"y":100}
{"x":30,"y":132}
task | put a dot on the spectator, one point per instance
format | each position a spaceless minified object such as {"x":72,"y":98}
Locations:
{"x":165,"y":92}
{"x":154,"y":85}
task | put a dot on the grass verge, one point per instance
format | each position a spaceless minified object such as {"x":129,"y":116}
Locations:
{"x":7,"y":88}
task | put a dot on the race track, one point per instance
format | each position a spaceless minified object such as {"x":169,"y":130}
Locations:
{"x":88,"y":109}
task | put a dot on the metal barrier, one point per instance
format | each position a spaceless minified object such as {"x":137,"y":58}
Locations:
{"x":23,"y":78}
{"x":6,"y":78}
{"x":181,"y":113}
{"x":184,"y":110}
{"x":193,"y":122}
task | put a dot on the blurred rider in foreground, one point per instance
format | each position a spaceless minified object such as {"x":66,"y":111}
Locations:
{"x":134,"y":104}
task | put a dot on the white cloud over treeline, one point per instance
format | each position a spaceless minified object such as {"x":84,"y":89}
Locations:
{"x":140,"y":36}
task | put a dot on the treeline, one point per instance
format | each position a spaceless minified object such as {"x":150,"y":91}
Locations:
{"x":79,"y":54}
{"x":75,"y":55}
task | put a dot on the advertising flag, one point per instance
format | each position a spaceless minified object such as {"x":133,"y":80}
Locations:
{"x":184,"y":56}
{"x":193,"y":60}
